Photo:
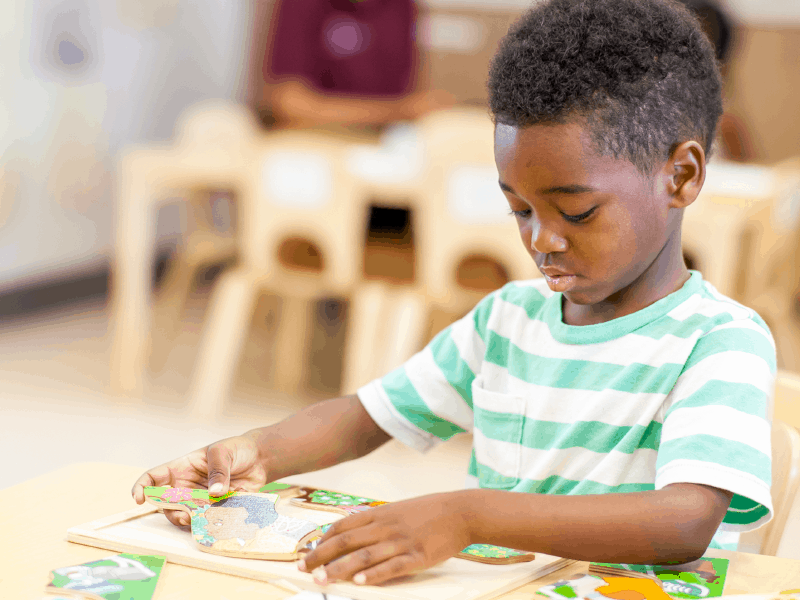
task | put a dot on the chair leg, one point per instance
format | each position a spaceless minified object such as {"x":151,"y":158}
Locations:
{"x":227,"y":325}
{"x":366,"y":313}
{"x":386,"y":327}
{"x":173,"y":295}
{"x":130,"y":293}
{"x":407,"y":326}
{"x":292,"y":339}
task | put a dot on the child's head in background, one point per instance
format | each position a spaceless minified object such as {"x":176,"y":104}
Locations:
{"x":606,"y":111}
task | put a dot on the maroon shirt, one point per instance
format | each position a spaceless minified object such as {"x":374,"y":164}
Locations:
{"x":360,"y":47}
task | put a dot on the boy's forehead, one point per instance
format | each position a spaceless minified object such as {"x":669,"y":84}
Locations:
{"x":562,"y":147}
{"x":554,"y":155}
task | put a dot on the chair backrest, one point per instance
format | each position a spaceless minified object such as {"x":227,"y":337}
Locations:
{"x":464,"y":212}
{"x":715,"y":224}
{"x":303,"y":190}
{"x":771,"y":246}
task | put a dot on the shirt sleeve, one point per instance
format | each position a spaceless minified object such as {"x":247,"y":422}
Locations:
{"x":428,"y":399}
{"x":717,"y":428}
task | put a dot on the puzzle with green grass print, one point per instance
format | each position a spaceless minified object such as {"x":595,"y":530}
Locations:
{"x":347,"y":504}
{"x":240,"y":524}
{"x":120,"y":577}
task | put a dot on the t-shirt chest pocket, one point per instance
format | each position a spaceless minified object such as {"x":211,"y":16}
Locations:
{"x":499,"y":420}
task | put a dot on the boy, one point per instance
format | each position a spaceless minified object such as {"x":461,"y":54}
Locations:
{"x":624,"y":395}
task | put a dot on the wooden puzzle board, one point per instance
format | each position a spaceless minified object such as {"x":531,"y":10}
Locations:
{"x":143,"y":530}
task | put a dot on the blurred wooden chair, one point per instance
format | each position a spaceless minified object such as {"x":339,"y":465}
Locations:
{"x":770,"y":281}
{"x":787,"y":398}
{"x":301,"y":192}
{"x":459,"y":215}
{"x":785,"y":483}
{"x":212,"y":150}
{"x":465,"y":213}
{"x":714,"y":225}
{"x":203,"y":245}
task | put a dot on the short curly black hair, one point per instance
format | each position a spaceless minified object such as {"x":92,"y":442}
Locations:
{"x":641,"y":73}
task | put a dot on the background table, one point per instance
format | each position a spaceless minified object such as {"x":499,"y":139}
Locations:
{"x":35,"y":515}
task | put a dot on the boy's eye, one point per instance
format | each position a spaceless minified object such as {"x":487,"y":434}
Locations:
{"x":580,"y":217}
{"x":521,"y":214}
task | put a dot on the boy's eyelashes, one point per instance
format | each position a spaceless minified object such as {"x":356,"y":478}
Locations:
{"x":524,"y":214}
{"x":580,"y":217}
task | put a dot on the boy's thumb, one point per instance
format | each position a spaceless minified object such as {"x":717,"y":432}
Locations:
{"x":219,"y":469}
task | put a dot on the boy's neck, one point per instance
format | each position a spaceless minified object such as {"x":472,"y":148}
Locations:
{"x":665,"y":275}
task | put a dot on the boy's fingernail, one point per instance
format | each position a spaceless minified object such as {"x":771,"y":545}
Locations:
{"x":215,"y":489}
{"x":301,"y":564}
{"x":320,"y":576}
{"x":360,"y":579}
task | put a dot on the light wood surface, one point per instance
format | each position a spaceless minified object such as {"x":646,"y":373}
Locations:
{"x":140,"y":532}
{"x":37,"y":513}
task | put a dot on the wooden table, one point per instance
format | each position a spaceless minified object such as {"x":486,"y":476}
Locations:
{"x":35,"y":515}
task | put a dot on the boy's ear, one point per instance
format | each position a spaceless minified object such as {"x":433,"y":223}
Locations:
{"x":685,"y":172}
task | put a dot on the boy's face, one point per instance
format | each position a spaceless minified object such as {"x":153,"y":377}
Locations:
{"x":594,"y":225}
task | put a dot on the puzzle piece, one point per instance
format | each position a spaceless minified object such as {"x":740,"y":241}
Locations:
{"x":347,"y":504}
{"x":284,"y":490}
{"x":129,"y":576}
{"x":593,"y":587}
{"x":241,"y":524}
{"x":702,"y":578}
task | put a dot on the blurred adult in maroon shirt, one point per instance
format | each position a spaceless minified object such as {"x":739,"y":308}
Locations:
{"x":345,"y":62}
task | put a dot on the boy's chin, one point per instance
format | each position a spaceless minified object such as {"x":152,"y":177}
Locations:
{"x":579,"y":298}
{"x":584,"y":297}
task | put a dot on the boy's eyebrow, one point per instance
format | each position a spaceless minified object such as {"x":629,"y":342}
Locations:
{"x":558,"y":189}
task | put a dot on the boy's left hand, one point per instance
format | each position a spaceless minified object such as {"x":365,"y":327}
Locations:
{"x":391,"y":540}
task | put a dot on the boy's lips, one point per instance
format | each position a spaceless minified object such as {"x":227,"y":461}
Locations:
{"x":558,"y":280}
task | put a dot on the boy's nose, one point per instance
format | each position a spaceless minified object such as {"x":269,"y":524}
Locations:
{"x":545,"y":240}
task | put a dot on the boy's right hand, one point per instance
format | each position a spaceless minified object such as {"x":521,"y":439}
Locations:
{"x":232,"y":463}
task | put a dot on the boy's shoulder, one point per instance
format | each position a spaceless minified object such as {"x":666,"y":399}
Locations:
{"x":715,"y":310}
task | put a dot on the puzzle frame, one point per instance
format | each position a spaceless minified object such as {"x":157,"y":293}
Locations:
{"x":142,"y":530}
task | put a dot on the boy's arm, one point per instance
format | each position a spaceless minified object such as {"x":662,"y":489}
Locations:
{"x":674,"y":524}
{"x":319,"y":436}
{"x":322,"y":435}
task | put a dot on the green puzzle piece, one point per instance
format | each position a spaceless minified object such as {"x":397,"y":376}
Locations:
{"x":121,"y":577}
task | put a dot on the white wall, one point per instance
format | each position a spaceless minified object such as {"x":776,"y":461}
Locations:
{"x":61,"y":124}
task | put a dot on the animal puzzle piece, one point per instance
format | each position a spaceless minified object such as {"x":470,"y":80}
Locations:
{"x":129,"y":576}
{"x":593,"y":587}
{"x":702,"y":578}
{"x":241,"y":524}
{"x":346,"y":504}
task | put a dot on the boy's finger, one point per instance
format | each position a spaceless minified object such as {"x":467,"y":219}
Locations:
{"x":219,"y":461}
{"x":331,"y":548}
{"x":348,"y":566}
{"x":158,"y":476}
{"x":178,"y":517}
{"x":397,"y":566}
{"x":137,"y":491}
{"x":348,"y":523}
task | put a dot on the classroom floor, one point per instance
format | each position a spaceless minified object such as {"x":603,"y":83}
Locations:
{"x":57,"y":409}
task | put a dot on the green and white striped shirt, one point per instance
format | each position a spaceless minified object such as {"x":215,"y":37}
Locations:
{"x":676,"y":392}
